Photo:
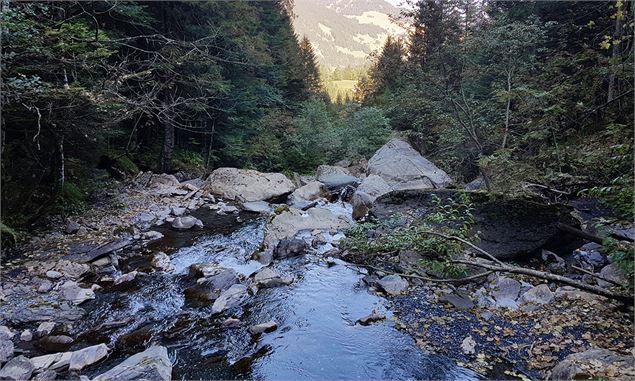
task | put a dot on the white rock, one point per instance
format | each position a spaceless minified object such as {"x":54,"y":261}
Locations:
{"x":468,"y":345}
{"x":151,"y":364}
{"x":26,"y":335}
{"x":87,"y":356}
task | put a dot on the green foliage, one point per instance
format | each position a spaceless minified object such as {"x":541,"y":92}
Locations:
{"x":8,"y":236}
{"x":451,"y":217}
{"x":72,"y":200}
{"x":622,"y":253}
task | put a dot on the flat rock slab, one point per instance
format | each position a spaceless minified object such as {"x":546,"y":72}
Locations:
{"x":393,"y":284}
{"x":151,"y":364}
{"x":509,"y":227}
{"x":100,"y":251}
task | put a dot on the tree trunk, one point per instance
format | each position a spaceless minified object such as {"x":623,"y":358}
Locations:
{"x":617,"y":34}
{"x":508,"y":108}
{"x":168,"y":147}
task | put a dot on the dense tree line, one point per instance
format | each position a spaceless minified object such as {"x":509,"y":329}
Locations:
{"x":163,"y":86}
{"x":516,"y":92}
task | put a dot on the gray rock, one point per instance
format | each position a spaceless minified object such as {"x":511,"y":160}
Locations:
{"x":590,"y":255}
{"x":459,"y":300}
{"x":302,"y":196}
{"x":127,"y":277}
{"x":477,"y":183}
{"x":262,"y":207}
{"x":576,"y":366}
{"x":230,"y":298}
{"x":268,"y":277}
{"x":26,"y":335}
{"x":163,"y":180}
{"x":188,"y":222}
{"x":46,"y":375}
{"x":555,"y":264}
{"x":45,"y":328}
{"x":614,"y":273}
{"x":53,"y":361}
{"x":161,"y":261}
{"x":72,"y":227}
{"x":6,"y":349}
{"x":334,"y":176}
{"x":393,"y":284}
{"x":6,"y":333}
{"x":178,"y":212}
{"x":231,"y":323}
{"x":152,"y":235}
{"x":372,"y":187}
{"x":70,"y":269}
{"x":540,"y":294}
{"x":199,"y":270}
{"x":247,"y":185}
{"x":87,"y":356}
{"x":288,"y":223}
{"x":52,"y":274}
{"x":505,"y":292}
{"x":151,"y":364}
{"x":100,"y":251}
{"x":208,"y":289}
{"x":404,"y":168}
{"x":290,"y":248}
{"x":103,"y":261}
{"x":56,"y":343}
{"x":18,"y":368}
{"x":258,"y":329}
{"x":73,"y":293}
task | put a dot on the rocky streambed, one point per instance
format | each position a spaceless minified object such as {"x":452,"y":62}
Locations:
{"x":240,"y":276}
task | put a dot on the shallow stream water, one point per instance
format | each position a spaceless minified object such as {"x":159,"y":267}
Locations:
{"x":317,"y":335}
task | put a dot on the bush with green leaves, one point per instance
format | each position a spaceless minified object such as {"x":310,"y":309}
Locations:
{"x":623,"y":254}
{"x":451,"y":217}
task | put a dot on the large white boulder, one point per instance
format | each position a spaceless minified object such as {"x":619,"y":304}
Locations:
{"x":402,"y":167}
{"x":288,"y":223}
{"x":247,"y":185}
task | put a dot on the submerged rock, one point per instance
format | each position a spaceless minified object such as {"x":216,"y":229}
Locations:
{"x":230,"y":298}
{"x":247,"y":185}
{"x":375,"y":316}
{"x":268,"y":277}
{"x":290,"y":248}
{"x":210,"y":288}
{"x":258,"y":329}
{"x":404,"y":168}
{"x":18,"y":368}
{"x":151,"y":364}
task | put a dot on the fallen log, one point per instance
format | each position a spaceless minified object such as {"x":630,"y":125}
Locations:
{"x":579,"y":233}
{"x":626,"y":299}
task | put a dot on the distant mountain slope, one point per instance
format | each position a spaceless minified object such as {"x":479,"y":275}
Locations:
{"x":345,"y":32}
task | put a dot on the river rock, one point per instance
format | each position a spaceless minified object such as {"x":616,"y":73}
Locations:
{"x":152,"y":235}
{"x":505,"y":291}
{"x":178,"y":212}
{"x":26,"y":335}
{"x":151,"y":364}
{"x":210,"y":288}
{"x":268,"y":277}
{"x":555,"y":264}
{"x":572,"y":293}
{"x":232,"y":297}
{"x":614,"y":273}
{"x":47,"y":375}
{"x":540,"y":294}
{"x":261,"y":328}
{"x":163,"y":180}
{"x":459,"y":299}
{"x":288,"y":223}
{"x":404,"y":168}
{"x":6,"y":349}
{"x":231,"y":323}
{"x":45,"y":328}
{"x":393,"y":284}
{"x":303,"y":196}
{"x":70,"y":269}
{"x":590,"y":255}
{"x":207,"y":269}
{"x":335,"y":177}
{"x":52,"y":274}
{"x":375,"y":316}
{"x":468,"y":345}
{"x":87,"y":356}
{"x":290,"y":248}
{"x":6,"y":333}
{"x":73,"y":293}
{"x":477,"y":183}
{"x":508,"y":227}
{"x":56,"y":343}
{"x":72,"y":227}
{"x":18,"y":368}
{"x":185,"y":223}
{"x":99,"y":251}
{"x":262,"y":207}
{"x":594,"y":364}
{"x":247,"y":185}
{"x":127,"y":277}
{"x":161,"y":261}
{"x":367,"y":192}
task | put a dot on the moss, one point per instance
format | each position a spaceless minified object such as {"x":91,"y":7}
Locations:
{"x":128,"y":166}
{"x":8,"y":236}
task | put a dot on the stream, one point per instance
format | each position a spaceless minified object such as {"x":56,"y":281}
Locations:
{"x":317,"y":335}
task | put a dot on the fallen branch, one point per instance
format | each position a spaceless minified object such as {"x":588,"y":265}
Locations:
{"x":579,"y":233}
{"x":626,"y":299}
{"x":466,"y":242}
{"x":417,"y":276}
